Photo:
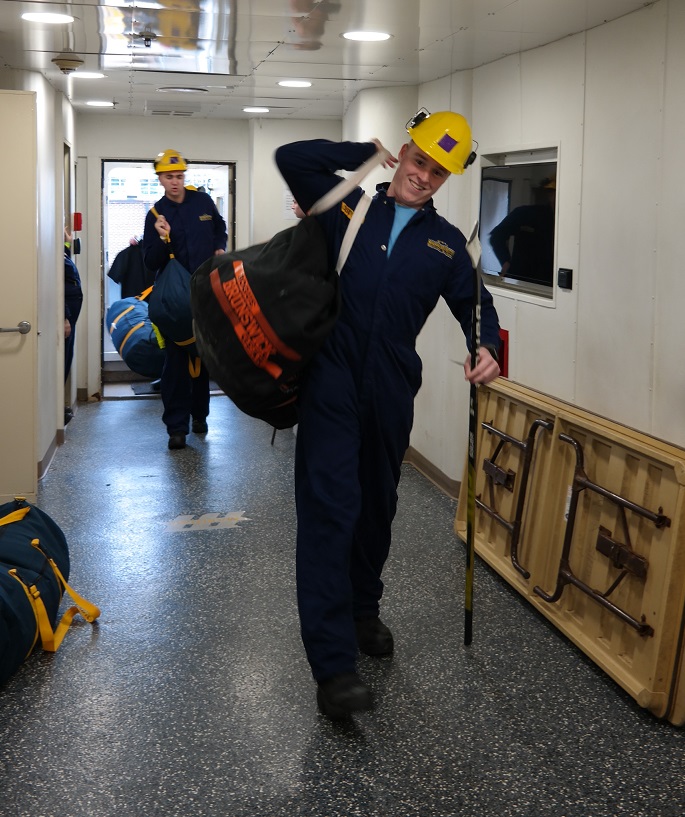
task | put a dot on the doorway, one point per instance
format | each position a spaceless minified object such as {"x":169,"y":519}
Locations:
{"x":129,"y":190}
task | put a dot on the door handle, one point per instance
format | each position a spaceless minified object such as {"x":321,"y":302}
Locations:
{"x":23,"y":327}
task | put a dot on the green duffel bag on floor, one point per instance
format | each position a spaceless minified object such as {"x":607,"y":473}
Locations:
{"x":34,"y":568}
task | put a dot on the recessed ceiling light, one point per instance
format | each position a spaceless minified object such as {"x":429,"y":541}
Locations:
{"x":137,"y":4}
{"x":99,"y":103}
{"x":46,"y":17}
{"x":295,"y":83}
{"x":366,"y":36}
{"x":88,"y":75}
{"x":182,"y":90}
{"x":256,"y":110}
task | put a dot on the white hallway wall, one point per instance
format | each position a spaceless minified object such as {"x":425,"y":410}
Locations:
{"x":55,"y":125}
{"x":267,"y":185}
{"x":668,"y":384}
{"x":631,"y":334}
{"x":612,"y":101}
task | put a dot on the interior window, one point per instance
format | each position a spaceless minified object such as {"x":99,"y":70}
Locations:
{"x":517,"y":223}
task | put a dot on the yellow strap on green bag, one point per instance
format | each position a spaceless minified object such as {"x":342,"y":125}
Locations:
{"x":143,"y":295}
{"x":160,"y":338}
{"x":82,"y":607}
{"x":15,"y":516}
{"x":50,"y":639}
{"x":194,"y":366}
{"x":120,"y":316}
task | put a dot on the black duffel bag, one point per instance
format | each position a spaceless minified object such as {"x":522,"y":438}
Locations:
{"x":34,"y":568}
{"x":261,"y":314}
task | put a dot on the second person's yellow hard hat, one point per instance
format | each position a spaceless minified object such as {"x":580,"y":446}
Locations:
{"x":169,"y":162}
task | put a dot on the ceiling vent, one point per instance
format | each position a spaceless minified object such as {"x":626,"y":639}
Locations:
{"x":169,"y":108}
{"x":67,"y":62}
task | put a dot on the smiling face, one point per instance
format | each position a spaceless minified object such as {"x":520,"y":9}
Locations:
{"x":173,"y":184}
{"x":417,"y":177}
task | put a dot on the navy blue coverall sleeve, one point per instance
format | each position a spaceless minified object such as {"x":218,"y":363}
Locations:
{"x":309,"y":168}
{"x":459,"y":298}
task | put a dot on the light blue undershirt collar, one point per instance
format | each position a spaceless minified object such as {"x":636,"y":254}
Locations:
{"x":402,"y":216}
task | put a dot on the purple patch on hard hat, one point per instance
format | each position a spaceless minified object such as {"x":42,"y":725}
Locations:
{"x":446,"y":142}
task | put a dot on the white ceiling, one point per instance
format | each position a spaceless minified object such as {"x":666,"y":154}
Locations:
{"x":236,"y":51}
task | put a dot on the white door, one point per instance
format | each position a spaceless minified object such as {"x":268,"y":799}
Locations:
{"x":18,"y":297}
{"x":130,"y":188}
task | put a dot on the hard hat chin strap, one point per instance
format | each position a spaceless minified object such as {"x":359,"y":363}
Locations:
{"x":471,"y":158}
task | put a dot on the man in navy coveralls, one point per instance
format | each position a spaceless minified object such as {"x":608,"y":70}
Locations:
{"x":197,"y":231}
{"x":356,"y":404}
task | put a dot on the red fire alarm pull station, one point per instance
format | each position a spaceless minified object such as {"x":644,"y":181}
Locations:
{"x":78,"y":222}
{"x":504,"y":352}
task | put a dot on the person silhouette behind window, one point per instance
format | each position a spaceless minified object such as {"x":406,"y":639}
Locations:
{"x":531,"y":255}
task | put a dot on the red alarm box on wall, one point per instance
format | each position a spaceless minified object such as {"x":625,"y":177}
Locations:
{"x":504,"y":352}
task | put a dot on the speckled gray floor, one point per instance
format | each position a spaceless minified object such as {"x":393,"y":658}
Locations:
{"x":192,"y":697}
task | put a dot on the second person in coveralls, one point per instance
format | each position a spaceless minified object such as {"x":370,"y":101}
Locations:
{"x":356,"y":404}
{"x":197,"y":231}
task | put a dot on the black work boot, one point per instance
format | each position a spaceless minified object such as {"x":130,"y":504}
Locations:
{"x":373,"y":637}
{"x":340,"y":696}
{"x":177,"y":441}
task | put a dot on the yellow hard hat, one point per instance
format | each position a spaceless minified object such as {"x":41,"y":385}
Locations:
{"x":445,"y":137}
{"x":170,"y":161}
